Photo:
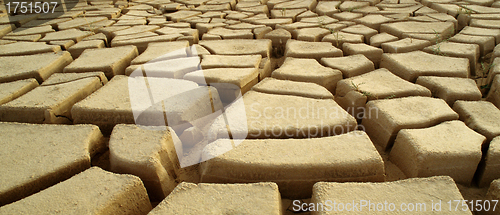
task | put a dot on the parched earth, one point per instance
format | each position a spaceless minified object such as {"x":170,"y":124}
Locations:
{"x":250,"y":107}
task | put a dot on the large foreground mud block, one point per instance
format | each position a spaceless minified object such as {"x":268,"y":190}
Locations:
{"x":422,"y":195}
{"x":93,"y":191}
{"x":34,"y":157}
{"x":294,"y":164}
{"x":215,"y":199}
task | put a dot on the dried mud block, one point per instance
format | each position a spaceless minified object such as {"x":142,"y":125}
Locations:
{"x":350,"y":66}
{"x":238,"y":47}
{"x":482,"y":32}
{"x":111,"y":61}
{"x":111,"y":105}
{"x":327,"y":7}
{"x":230,"y":82}
{"x":494,"y":71}
{"x":362,"y":30}
{"x":77,"y":49}
{"x":347,"y":157}
{"x":6,"y":28}
{"x":182,"y":14}
{"x":93,"y":191}
{"x":353,"y":93}
{"x":308,"y":70}
{"x":494,"y":193}
{"x":451,"y":89}
{"x":142,"y":43}
{"x":496,"y":52}
{"x":12,"y":90}
{"x":444,"y":29}
{"x":27,"y":38}
{"x":167,"y":68}
{"x":51,"y":102}
{"x":50,"y":154}
{"x":316,"y":50}
{"x":338,"y":38}
{"x":229,"y":61}
{"x":147,"y":153}
{"x":293,"y":88}
{"x":226,"y":34}
{"x":462,"y":50}
{"x":70,"y":34}
{"x":427,"y":152}
{"x":65,"y":44}
{"x":411,"y":65}
{"x":39,"y":66}
{"x":425,"y":191}
{"x":494,"y":93}
{"x":279,"y":38}
{"x":214,"y":199}
{"x":27,"y":48}
{"x":161,"y":51}
{"x":372,"y":53}
{"x":301,"y":117}
{"x":488,"y":169}
{"x":377,"y":39}
{"x":387,"y":116}
{"x":311,"y":34}
{"x":486,"y":43}
{"x":373,"y":21}
{"x":480,"y":116}
{"x":405,"y":45}
{"x":79,"y":21}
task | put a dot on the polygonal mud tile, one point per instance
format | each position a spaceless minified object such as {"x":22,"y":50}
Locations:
{"x":404,"y":45}
{"x":386,"y":117}
{"x":486,"y":43}
{"x":468,"y":30}
{"x":293,"y":88}
{"x":27,"y":48}
{"x":225,"y":33}
{"x":362,"y":30}
{"x":111,"y":61}
{"x":93,"y":191}
{"x":425,"y":191}
{"x":122,"y":97}
{"x":327,"y":7}
{"x":324,"y":117}
{"x":27,"y":38}
{"x":260,"y":32}
{"x":316,"y":50}
{"x":481,"y":116}
{"x":228,"y":61}
{"x":52,"y":101}
{"x":338,"y":38}
{"x":311,"y":34}
{"x":463,"y":50}
{"x":182,"y":14}
{"x":50,"y":154}
{"x":70,"y":34}
{"x":77,"y":49}
{"x":77,"y":22}
{"x":451,"y":89}
{"x":484,"y":23}
{"x":212,"y":199}
{"x":353,"y":93}
{"x":23,"y":31}
{"x":349,"y":6}
{"x":450,"y":148}
{"x":12,"y":90}
{"x":411,"y":65}
{"x":279,"y":38}
{"x":373,"y":21}
{"x":239,"y":47}
{"x":292,"y":13}
{"x":39,"y":66}
{"x":6,"y":28}
{"x":350,"y":66}
{"x":133,"y":36}
{"x":488,"y":169}
{"x":293,"y":4}
{"x":374,"y":54}
{"x":346,"y":16}
{"x":443,"y":29}
{"x":308,"y":70}
{"x":147,"y":153}
{"x":347,"y":157}
{"x":162,"y":51}
{"x":494,"y":93}
{"x":142,"y":43}
{"x":378,"y":39}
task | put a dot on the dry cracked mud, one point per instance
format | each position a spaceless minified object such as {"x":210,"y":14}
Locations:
{"x":250,"y":107}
